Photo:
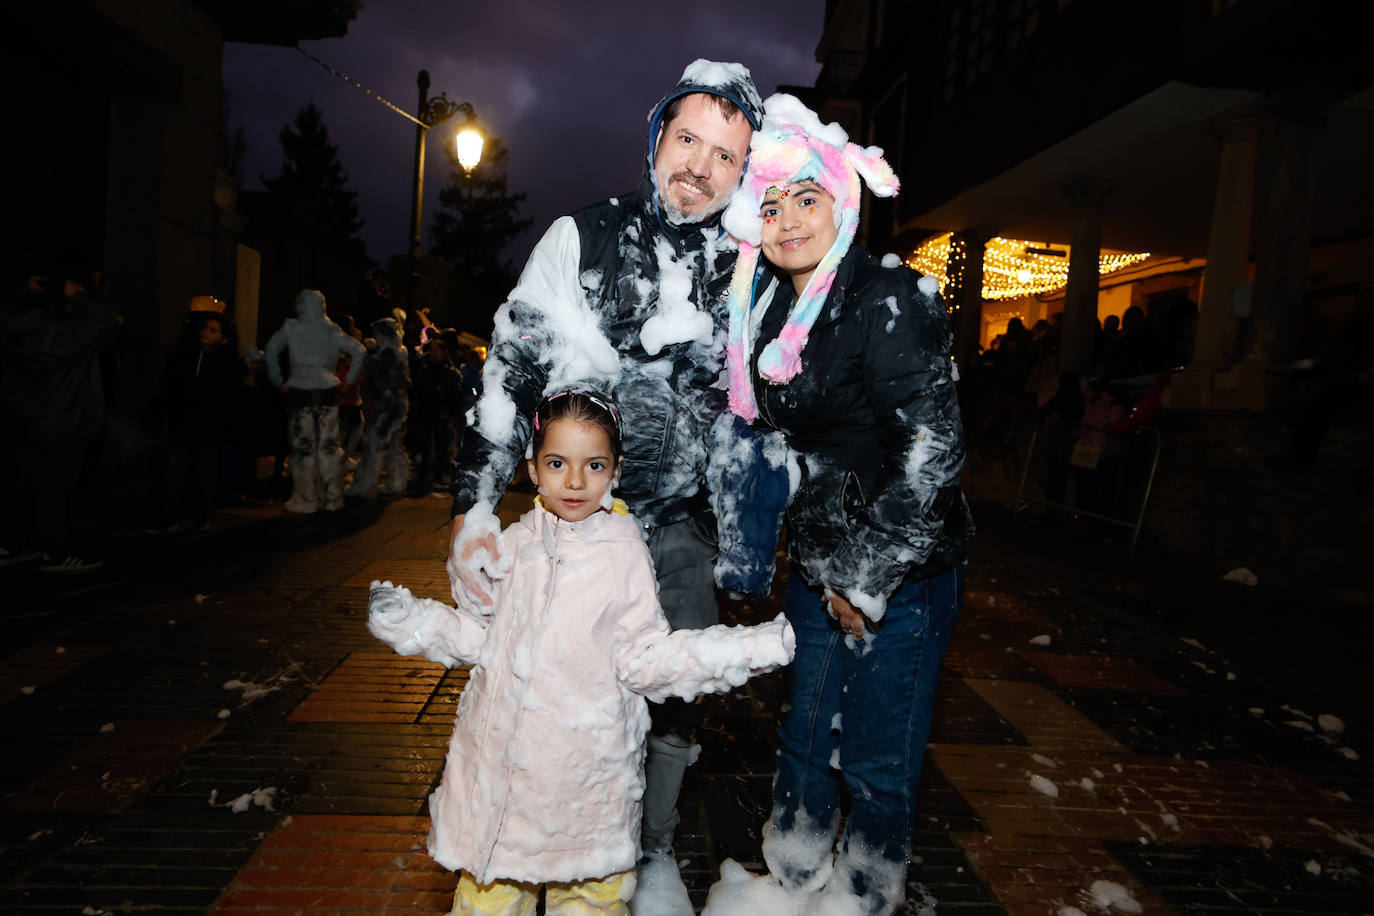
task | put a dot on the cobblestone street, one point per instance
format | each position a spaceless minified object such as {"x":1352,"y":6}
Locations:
{"x":206,"y":726}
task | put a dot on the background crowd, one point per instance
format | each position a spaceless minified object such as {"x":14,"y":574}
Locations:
{"x":217,"y":411}
{"x":1083,"y":424}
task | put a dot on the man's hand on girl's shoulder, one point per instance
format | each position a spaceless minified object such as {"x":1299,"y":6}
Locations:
{"x":466,"y":565}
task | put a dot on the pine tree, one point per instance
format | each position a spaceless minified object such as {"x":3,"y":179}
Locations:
{"x":312,"y":189}
{"x":478,"y":218}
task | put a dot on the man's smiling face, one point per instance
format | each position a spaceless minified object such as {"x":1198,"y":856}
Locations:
{"x":700,"y":157}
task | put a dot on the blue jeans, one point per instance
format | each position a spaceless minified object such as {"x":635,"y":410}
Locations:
{"x":866,"y":708}
{"x":197,"y":464}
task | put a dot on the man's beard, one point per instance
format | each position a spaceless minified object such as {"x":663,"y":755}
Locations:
{"x":714,"y":202}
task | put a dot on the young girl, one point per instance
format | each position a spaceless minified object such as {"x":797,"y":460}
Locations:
{"x":199,"y":388}
{"x":545,"y":768}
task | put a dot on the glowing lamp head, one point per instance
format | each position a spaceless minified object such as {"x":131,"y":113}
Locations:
{"x":469,"y":148}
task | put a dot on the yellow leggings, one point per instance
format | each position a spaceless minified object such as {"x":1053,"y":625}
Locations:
{"x":512,"y":898}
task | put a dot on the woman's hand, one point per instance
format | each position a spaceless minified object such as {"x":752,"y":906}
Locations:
{"x":844,"y":612}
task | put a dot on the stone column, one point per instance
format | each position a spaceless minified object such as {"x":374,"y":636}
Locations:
{"x":1284,"y":234}
{"x":1080,"y":298}
{"x":969,"y":320}
{"x":1206,"y":383}
{"x":1228,"y":244}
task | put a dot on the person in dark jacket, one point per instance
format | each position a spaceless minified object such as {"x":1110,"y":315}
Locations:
{"x":199,"y":392}
{"x":437,"y":398}
{"x":625,"y":296}
{"x":849,"y":358}
{"x":52,"y":334}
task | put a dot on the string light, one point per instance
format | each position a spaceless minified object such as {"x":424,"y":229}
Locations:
{"x":1012,"y":268}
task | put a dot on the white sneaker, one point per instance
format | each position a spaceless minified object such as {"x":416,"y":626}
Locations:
{"x":67,"y":564}
{"x":659,"y":890}
{"x":301,"y":507}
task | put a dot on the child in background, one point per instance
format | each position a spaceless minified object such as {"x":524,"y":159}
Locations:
{"x":200,"y":393}
{"x":1095,"y":478}
{"x":544,"y":775}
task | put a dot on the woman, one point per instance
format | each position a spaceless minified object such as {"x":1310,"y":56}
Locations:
{"x":849,"y":358}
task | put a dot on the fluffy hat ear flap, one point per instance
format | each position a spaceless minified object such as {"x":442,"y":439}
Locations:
{"x":871,"y":165}
{"x":739,"y":301}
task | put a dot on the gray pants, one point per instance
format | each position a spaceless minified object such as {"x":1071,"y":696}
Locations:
{"x":684,"y":562}
{"x":316,"y":460}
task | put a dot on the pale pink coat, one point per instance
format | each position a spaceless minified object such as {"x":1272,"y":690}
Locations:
{"x":544,"y":775}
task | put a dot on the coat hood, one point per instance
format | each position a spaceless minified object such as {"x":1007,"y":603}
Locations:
{"x":313,"y":344}
{"x":310,"y":305}
{"x":386,"y":332}
{"x":727,"y":80}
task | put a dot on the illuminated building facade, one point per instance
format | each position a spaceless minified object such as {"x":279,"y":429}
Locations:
{"x":1228,"y":139}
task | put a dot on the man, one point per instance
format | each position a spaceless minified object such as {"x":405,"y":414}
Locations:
{"x":53,"y":404}
{"x":627,"y":296}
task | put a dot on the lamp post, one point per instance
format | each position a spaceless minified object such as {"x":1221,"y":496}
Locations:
{"x":431,"y":113}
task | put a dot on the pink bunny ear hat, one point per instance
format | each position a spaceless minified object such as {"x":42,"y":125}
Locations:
{"x":792,"y":145}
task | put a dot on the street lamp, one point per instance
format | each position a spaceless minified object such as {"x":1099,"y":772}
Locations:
{"x":469,"y":145}
{"x":431,"y":113}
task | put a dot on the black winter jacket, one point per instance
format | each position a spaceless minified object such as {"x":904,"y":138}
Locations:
{"x":576,"y":319}
{"x":875,"y":421}
{"x":437,"y":390}
{"x":200,"y":390}
{"x":51,"y":388}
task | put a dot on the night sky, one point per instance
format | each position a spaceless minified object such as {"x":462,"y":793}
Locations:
{"x":567,"y":91}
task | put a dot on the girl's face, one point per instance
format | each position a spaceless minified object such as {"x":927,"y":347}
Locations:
{"x":798,"y":229}
{"x":575,"y":469}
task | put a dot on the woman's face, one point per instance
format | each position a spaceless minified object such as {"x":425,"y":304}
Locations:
{"x":798,"y":229}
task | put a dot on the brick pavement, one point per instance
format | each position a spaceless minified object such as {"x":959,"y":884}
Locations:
{"x":227,"y":738}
